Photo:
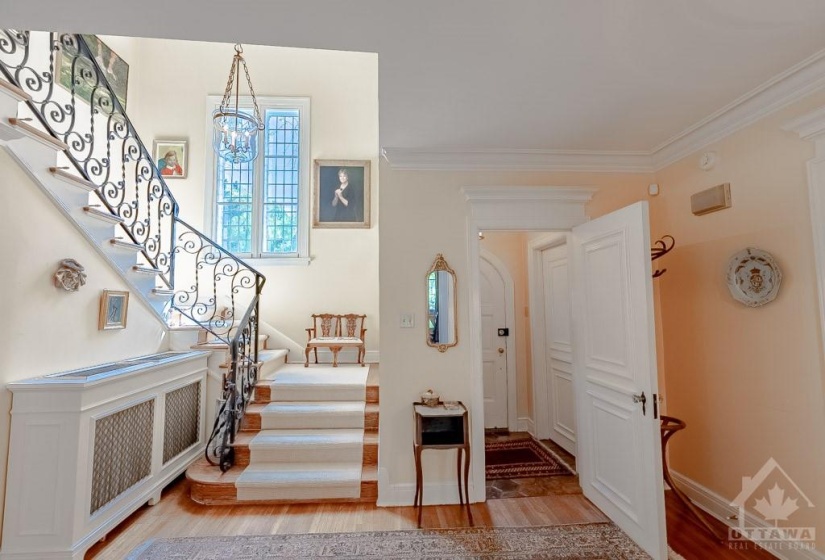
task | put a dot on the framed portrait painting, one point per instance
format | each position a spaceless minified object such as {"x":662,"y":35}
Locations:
{"x":171,"y":158}
{"x":341,"y":194}
{"x":113,"y":308}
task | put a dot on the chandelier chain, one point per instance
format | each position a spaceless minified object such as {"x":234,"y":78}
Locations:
{"x":254,"y":98}
{"x":228,"y":91}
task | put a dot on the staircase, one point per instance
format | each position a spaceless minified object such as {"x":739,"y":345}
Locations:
{"x":72,"y":136}
{"x":280,"y":433}
{"x":308,"y":436}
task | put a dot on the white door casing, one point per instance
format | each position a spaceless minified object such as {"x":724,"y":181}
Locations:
{"x":494,"y":350}
{"x":505,"y":208}
{"x":557,"y":347}
{"x":619,"y":447}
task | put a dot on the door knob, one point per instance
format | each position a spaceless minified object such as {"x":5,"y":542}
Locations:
{"x":501,"y":350}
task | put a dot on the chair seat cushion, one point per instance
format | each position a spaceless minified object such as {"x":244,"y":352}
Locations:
{"x":333,"y":340}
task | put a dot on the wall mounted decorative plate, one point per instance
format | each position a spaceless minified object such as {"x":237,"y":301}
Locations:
{"x":753,"y":277}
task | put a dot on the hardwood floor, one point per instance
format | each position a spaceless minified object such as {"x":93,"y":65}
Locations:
{"x":177,"y":516}
{"x":687,"y":537}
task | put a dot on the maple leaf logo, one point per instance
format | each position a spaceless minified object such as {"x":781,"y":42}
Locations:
{"x":776,"y":507}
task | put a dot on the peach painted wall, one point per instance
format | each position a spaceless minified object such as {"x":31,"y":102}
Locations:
{"x":424,"y":213}
{"x":748,"y":382}
{"x":511,"y":248}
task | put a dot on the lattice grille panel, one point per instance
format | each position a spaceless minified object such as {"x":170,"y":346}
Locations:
{"x":123,"y":452}
{"x":182,"y":428}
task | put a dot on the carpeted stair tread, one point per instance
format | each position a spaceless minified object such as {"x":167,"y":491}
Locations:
{"x":266,"y":474}
{"x":271,"y":361}
{"x":305,"y":481}
{"x":210,"y":486}
{"x":332,"y":446}
{"x":321,"y":383}
{"x":318,"y":414}
{"x":269,"y":355}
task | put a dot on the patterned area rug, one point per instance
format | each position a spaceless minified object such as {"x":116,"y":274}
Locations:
{"x":569,"y":542}
{"x":521,"y":458}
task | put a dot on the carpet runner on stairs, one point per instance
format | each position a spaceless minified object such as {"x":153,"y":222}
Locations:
{"x":311,"y":442}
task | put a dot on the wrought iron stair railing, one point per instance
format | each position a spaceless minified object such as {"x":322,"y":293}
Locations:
{"x":73,"y":99}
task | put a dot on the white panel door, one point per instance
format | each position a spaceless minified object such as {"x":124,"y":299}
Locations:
{"x":557,"y":347}
{"x":614,"y":357}
{"x":493,"y":347}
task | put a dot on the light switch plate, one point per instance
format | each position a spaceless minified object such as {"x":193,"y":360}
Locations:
{"x":407,"y":320}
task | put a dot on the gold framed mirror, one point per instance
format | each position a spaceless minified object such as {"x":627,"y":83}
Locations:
{"x":442,"y":307}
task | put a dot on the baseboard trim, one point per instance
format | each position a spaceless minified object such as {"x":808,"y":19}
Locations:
{"x":526,"y":424}
{"x":346,"y":355}
{"x":721,"y":508}
{"x":403,"y":494}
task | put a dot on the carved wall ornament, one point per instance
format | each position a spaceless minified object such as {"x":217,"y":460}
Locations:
{"x":753,"y":277}
{"x":70,"y":275}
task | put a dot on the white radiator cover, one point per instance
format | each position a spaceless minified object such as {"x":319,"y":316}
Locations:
{"x":60,"y":497}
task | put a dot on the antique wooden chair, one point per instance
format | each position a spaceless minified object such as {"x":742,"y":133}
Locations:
{"x":335,"y":332}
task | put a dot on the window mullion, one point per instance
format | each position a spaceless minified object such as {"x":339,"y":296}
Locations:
{"x":258,"y":193}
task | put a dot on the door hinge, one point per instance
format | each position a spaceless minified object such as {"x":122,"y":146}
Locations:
{"x":641,"y":399}
{"x":655,"y":406}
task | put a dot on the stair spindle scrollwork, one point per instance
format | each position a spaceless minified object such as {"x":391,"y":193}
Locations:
{"x":73,"y":100}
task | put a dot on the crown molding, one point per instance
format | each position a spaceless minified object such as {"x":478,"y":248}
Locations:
{"x":795,"y":83}
{"x":809,"y":125}
{"x":404,"y":159}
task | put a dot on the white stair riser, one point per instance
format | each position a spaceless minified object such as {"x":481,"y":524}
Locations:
{"x":71,"y":197}
{"x":95,"y":228}
{"x":270,"y":367}
{"x":123,"y":259}
{"x":262,"y":339}
{"x":36,"y":154}
{"x":292,"y":393}
{"x":306,"y":454}
{"x":144,"y":282}
{"x":9,"y":106}
{"x":319,"y":491}
{"x":285,"y":421}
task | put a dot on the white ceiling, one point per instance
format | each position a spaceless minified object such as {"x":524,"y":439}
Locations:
{"x":602,"y":75}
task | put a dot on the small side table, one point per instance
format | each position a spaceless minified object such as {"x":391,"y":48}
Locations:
{"x":437,"y":427}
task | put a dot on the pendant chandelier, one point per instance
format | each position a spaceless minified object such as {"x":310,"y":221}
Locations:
{"x":235,"y":130}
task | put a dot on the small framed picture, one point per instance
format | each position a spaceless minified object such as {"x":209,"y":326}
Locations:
{"x":341,"y":194}
{"x":114,"y":306}
{"x":171,"y":158}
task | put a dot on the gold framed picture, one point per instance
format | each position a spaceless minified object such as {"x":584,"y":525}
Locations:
{"x":341,"y":194}
{"x":114,"y":306}
{"x":171,"y":158}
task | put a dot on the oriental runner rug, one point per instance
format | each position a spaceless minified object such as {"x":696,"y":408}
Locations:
{"x":591,"y":541}
{"x":521,"y":458}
